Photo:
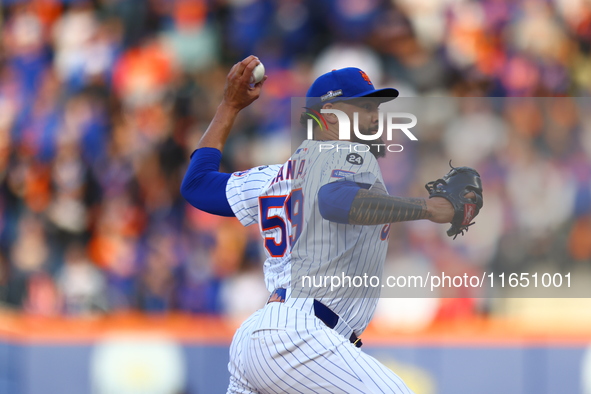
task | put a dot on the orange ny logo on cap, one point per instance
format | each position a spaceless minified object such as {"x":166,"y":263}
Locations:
{"x":365,"y":77}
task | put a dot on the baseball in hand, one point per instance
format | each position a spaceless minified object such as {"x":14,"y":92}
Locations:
{"x":258,"y":73}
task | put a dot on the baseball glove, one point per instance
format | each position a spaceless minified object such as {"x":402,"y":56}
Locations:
{"x":454,"y":186}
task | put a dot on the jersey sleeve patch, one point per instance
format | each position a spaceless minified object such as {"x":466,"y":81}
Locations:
{"x":240,"y":173}
{"x":340,"y":173}
{"x":344,"y":164}
{"x":354,"y":158}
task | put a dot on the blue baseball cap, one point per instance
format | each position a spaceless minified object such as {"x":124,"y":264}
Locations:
{"x":344,"y":84}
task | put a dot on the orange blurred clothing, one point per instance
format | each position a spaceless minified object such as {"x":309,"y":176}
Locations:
{"x":113,"y":253}
{"x":189,"y":13}
{"x":37,"y":188}
{"x":48,"y":11}
{"x":479,"y":46}
{"x":141,"y":70}
{"x":579,"y":240}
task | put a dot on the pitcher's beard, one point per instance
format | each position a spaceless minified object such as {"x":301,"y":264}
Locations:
{"x":376,"y":147}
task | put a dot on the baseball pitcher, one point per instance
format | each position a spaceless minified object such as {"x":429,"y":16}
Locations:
{"x":324,"y":212}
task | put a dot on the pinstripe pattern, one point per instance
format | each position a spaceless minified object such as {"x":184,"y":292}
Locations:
{"x":284,"y":347}
{"x":238,"y":382}
{"x":305,"y":356}
{"x":326,"y":249}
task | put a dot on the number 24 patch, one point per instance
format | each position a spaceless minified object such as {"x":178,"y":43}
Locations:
{"x":355,"y":158}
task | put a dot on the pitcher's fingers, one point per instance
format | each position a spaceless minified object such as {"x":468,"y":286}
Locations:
{"x":260,"y":84}
{"x":242,"y":65}
{"x":247,"y":74}
{"x":233,"y":70}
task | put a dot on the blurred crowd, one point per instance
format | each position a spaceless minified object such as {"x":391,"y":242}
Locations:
{"x":102,"y":103}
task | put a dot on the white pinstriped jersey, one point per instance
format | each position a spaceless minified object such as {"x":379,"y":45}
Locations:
{"x":298,"y":241}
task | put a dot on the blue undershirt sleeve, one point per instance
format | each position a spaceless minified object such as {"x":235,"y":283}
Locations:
{"x":335,"y":200}
{"x":204,"y":187}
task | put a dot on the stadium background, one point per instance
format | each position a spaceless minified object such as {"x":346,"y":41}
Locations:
{"x":102,"y":102}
